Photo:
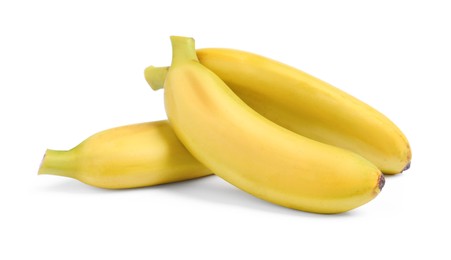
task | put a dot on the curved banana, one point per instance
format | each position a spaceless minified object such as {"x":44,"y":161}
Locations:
{"x":255,"y":154}
{"x":130,"y":156}
{"x":305,"y":105}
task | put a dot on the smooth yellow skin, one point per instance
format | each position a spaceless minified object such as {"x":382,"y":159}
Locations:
{"x":130,"y":156}
{"x":305,"y":105}
{"x":255,"y":154}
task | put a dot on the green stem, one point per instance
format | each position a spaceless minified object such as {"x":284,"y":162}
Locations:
{"x":155,"y":76}
{"x":183,"y":50}
{"x":62,"y":163}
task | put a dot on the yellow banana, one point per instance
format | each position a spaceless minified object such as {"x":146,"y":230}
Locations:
{"x":305,"y":105}
{"x":130,"y":156}
{"x":255,"y":154}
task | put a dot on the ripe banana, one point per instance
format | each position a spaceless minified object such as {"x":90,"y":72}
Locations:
{"x":255,"y":154}
{"x":130,"y":156}
{"x":305,"y":105}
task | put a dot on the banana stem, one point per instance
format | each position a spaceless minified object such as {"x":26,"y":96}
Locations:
{"x":155,"y":76}
{"x":58,"y":163}
{"x":183,"y":49}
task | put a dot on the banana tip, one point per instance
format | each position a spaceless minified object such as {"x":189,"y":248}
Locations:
{"x":406,"y":167}
{"x":381,"y":182}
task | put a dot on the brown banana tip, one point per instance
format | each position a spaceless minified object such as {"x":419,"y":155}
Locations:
{"x":381,"y":182}
{"x":407,"y":167}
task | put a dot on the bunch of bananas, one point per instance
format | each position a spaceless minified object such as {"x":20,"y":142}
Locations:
{"x":269,"y":129}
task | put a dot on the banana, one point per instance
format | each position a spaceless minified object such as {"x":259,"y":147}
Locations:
{"x":123,"y":157}
{"x":305,"y":105}
{"x":255,"y":154}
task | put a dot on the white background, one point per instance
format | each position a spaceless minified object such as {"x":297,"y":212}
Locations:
{"x":69,"y":69}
